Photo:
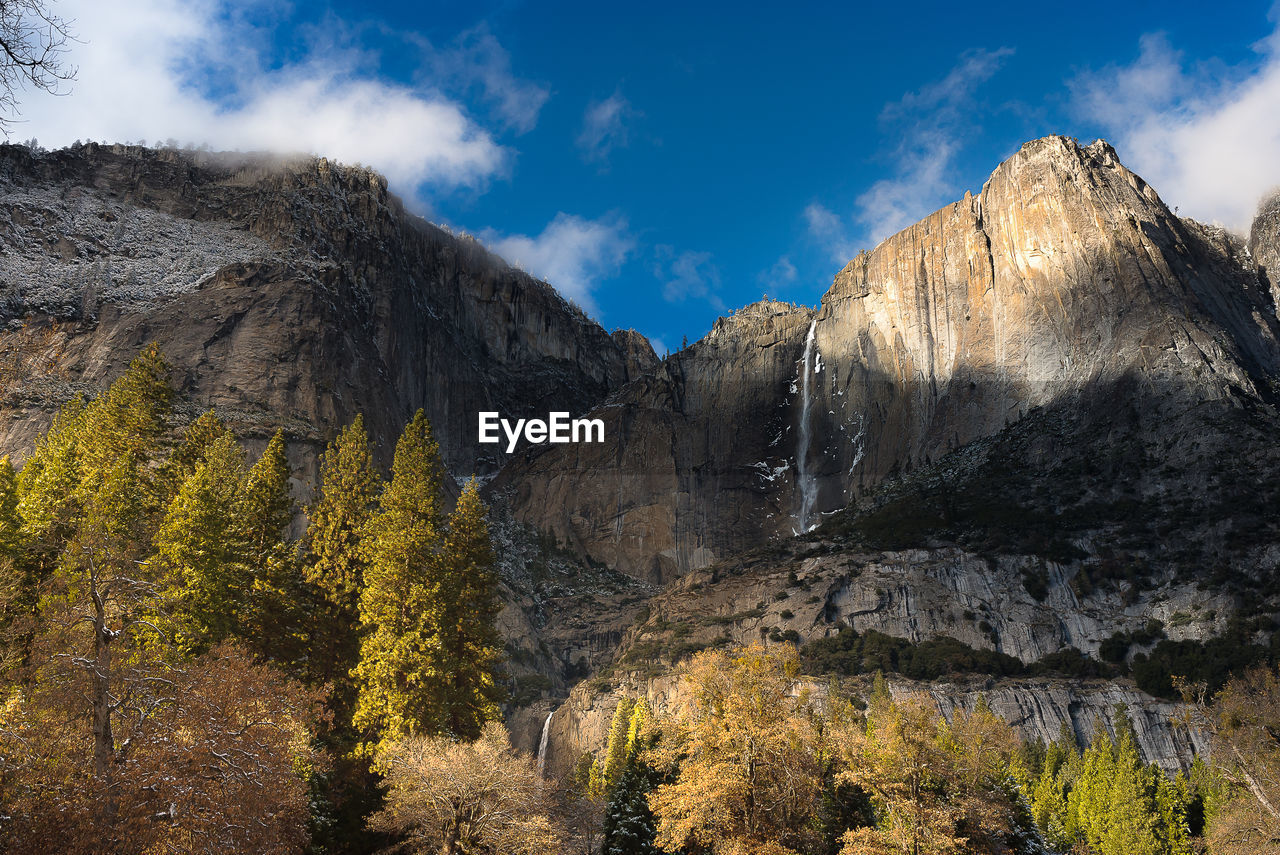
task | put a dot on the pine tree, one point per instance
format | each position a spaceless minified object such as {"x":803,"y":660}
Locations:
{"x":263,"y":514}
{"x":17,"y":589}
{"x":49,"y":483}
{"x":1130,"y":815}
{"x":337,"y":524}
{"x":616,"y":754}
{"x":1172,"y":798}
{"x":398,"y":675}
{"x":196,"y":440}
{"x":637,"y":730}
{"x":195,"y":550}
{"x":629,"y":825}
{"x":471,"y":648}
{"x":10,"y":521}
{"x":130,"y":418}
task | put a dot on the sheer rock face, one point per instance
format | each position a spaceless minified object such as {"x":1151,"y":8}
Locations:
{"x":1264,"y":242}
{"x":1038,"y":708}
{"x":1065,"y":274}
{"x":296,"y":292}
{"x":694,"y":457}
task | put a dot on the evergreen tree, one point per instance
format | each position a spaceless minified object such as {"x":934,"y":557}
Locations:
{"x":616,"y":749}
{"x":49,"y":484}
{"x":10,"y":521}
{"x":1108,"y":800}
{"x":1172,"y":798}
{"x":196,"y":551}
{"x":130,"y":418}
{"x":629,"y":825}
{"x":337,"y":524}
{"x":263,"y":514}
{"x":398,"y":676}
{"x":338,"y":520}
{"x":471,"y":648}
{"x":196,"y":440}
{"x":1129,"y":818}
{"x":266,"y":508}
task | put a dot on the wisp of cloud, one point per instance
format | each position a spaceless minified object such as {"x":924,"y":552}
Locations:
{"x":1209,"y":143}
{"x":140,"y":77}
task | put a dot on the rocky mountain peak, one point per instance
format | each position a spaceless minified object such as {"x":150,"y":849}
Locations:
{"x":1264,"y":240}
{"x":235,"y":263}
{"x":1066,"y":274}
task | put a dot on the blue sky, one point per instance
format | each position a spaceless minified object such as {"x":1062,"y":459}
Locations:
{"x":666,"y":163}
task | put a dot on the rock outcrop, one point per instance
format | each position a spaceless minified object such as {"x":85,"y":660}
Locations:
{"x":693,"y":461}
{"x":295,"y":292}
{"x":1264,"y":242}
{"x":1065,"y":275}
{"x":1038,"y":709}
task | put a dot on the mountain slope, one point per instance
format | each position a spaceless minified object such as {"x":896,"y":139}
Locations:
{"x":284,"y":291}
{"x":1065,"y":277}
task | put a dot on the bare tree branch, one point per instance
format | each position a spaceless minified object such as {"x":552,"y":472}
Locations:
{"x":33,"y":45}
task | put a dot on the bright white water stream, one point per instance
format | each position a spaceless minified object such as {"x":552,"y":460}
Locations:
{"x":804,"y":478}
{"x":542,"y":743}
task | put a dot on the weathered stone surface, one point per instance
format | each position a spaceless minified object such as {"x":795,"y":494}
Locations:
{"x":1065,"y":275}
{"x":296,"y":292}
{"x":693,"y":458}
{"x":1264,"y":242}
{"x":1038,"y":708}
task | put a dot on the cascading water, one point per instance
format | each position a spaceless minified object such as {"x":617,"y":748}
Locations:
{"x":542,"y":743}
{"x":804,"y":478}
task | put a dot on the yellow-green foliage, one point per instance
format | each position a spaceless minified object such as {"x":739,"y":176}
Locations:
{"x":470,"y":645}
{"x":338,"y":520}
{"x":430,"y":651}
{"x":400,"y":609}
{"x":617,"y":748}
{"x":1107,"y":799}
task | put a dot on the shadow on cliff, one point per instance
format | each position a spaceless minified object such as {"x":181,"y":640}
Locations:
{"x":1179,"y":469}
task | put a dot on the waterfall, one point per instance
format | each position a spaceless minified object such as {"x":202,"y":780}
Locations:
{"x":808,"y":486}
{"x":542,"y":743}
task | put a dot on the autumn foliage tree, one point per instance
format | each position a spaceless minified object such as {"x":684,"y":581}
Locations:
{"x":936,"y":786}
{"x":1244,"y":722}
{"x":124,"y":725}
{"x":746,"y":755}
{"x":450,"y":796}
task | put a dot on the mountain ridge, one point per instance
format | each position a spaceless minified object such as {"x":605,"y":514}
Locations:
{"x":1050,"y":406}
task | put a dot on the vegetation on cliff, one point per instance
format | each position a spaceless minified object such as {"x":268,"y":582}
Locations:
{"x":181,"y":675}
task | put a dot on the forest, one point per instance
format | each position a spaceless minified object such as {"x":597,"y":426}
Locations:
{"x":192,"y":663}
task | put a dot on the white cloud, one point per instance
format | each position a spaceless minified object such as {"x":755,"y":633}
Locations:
{"x":476,"y":59}
{"x":571,"y":253}
{"x":1207,"y":138}
{"x":826,"y":227}
{"x":928,"y":124}
{"x":687,"y":275}
{"x":782,"y":273}
{"x":659,"y":346}
{"x":196,"y":71}
{"x":604,"y":127}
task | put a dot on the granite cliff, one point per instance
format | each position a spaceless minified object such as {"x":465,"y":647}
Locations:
{"x":284,"y":291}
{"x":1040,"y":417}
{"x":1066,"y":277}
